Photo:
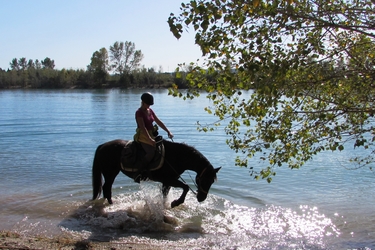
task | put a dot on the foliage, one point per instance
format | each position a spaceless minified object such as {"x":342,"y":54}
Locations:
{"x":99,"y":66}
{"x":290,"y":78}
{"x":48,"y":63}
{"x":124,"y":57}
{"x":70,"y":78}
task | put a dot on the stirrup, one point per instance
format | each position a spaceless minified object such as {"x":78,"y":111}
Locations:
{"x":158,"y":138}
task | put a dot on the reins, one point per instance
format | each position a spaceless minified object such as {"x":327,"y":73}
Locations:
{"x":182,"y":179}
{"x":195,"y":184}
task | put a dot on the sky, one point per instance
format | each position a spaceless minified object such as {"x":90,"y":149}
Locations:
{"x":70,"y":31}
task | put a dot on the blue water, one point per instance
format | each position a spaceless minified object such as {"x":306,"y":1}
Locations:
{"x":48,"y":140}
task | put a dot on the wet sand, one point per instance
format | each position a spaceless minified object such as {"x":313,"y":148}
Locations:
{"x":14,"y":241}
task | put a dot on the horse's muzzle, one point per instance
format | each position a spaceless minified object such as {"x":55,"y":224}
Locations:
{"x":201,"y":196}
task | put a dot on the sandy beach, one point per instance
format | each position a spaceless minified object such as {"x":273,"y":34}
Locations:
{"x":14,"y":241}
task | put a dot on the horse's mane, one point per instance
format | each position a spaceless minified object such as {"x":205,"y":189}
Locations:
{"x":189,"y":150}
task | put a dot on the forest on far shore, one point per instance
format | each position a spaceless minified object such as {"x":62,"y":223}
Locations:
{"x":47,"y":78}
{"x":118,"y":68}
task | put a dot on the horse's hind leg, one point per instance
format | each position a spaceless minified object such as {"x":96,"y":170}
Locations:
{"x":107,"y":187}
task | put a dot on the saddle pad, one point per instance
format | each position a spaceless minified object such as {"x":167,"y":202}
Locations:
{"x":155,"y":164}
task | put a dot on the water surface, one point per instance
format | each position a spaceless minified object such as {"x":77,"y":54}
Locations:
{"x":48,"y":140}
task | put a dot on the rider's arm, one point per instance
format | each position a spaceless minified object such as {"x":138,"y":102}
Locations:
{"x":161,"y":124}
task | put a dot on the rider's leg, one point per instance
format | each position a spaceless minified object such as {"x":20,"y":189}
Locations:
{"x":150,"y":152}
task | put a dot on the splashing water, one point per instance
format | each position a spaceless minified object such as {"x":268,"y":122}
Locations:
{"x":145,"y":216}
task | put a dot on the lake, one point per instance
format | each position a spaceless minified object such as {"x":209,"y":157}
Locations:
{"x":48,"y":140}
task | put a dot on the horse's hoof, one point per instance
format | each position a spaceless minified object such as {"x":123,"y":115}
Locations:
{"x":174,"y":204}
{"x":110,"y":201}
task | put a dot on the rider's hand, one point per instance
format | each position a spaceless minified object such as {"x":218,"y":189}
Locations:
{"x":170,"y":135}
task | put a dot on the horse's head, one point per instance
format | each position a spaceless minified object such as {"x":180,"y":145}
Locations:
{"x":204,"y":182}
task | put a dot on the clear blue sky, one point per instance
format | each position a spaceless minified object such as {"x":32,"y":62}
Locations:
{"x":70,"y":31}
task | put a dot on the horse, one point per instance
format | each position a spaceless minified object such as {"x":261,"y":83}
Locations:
{"x":178,"y":157}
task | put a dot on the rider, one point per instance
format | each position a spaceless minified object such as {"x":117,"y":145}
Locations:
{"x":145,"y":117}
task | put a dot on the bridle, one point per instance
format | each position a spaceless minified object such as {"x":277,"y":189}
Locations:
{"x":198,"y":180}
{"x":197,"y":183}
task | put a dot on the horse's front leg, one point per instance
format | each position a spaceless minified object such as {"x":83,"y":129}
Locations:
{"x":165,"y":189}
{"x":178,"y":184}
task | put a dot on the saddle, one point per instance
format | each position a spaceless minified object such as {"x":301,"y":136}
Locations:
{"x":133,"y":153}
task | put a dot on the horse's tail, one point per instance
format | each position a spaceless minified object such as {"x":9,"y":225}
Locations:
{"x":96,"y":176}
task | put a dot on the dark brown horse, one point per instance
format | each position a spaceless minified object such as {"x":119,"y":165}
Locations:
{"x":178,"y":158}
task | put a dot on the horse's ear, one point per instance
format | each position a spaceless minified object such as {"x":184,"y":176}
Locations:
{"x":217,"y":169}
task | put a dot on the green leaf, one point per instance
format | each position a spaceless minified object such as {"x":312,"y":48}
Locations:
{"x":303,"y":90}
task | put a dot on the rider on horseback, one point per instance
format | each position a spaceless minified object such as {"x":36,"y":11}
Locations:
{"x":145,"y":134}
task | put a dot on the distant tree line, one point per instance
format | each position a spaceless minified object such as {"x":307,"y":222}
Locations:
{"x":119,"y":67}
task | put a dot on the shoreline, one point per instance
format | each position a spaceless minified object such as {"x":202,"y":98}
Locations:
{"x":10,"y":240}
